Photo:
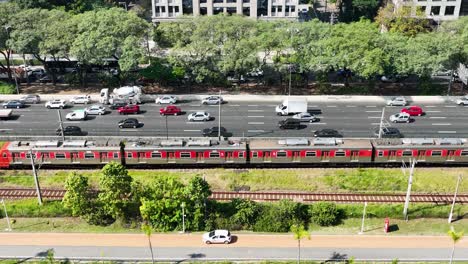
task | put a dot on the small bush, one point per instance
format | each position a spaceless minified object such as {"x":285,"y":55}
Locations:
{"x":324,"y":213}
{"x":6,"y":88}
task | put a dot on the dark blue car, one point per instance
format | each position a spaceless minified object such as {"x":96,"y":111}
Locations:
{"x":13,"y":104}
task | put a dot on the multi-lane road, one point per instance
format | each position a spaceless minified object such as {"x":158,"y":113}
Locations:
{"x":247,"y":118}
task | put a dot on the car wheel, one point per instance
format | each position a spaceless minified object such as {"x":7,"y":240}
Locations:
{"x":100,"y":113}
{"x":48,"y":107}
{"x":120,"y":126}
{"x":134,"y":126}
{"x":419,"y":114}
{"x":226,"y":242}
{"x":5,"y":106}
{"x":206,"y":119}
{"x":61,"y":107}
{"x":205,"y":103}
{"x":17,"y":107}
{"x":407,"y":121}
{"x":207,"y":242}
{"x":175,"y":114}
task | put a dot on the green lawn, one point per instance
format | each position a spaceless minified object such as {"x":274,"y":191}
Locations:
{"x":426,"y":180}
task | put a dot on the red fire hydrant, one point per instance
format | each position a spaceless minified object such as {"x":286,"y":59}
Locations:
{"x":387,"y":225}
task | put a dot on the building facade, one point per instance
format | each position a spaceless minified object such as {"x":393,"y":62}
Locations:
{"x":167,"y":10}
{"x":438,"y":10}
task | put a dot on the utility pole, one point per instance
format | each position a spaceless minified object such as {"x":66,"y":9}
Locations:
{"x":408,"y":193}
{"x":454,"y":199}
{"x":183,"y":217}
{"x":6,"y":215}
{"x":36,"y":180}
{"x":61,"y":124}
{"x":363,"y":218}
{"x":381,"y":122}
{"x":219,"y":117}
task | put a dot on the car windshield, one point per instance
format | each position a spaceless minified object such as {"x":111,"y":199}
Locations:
{"x":211,"y":234}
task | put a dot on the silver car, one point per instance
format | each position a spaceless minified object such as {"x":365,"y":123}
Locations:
{"x":397,"y":101}
{"x":30,"y":99}
{"x":199,"y":116}
{"x":212,"y":100}
{"x":305,"y":117}
{"x":96,"y":110}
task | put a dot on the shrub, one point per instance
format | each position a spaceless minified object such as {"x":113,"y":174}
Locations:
{"x":246,"y":213}
{"x":6,"y":88}
{"x":324,"y":213}
{"x":278,"y":217}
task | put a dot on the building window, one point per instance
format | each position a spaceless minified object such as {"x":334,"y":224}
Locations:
{"x":436,"y":153}
{"x":449,"y":10}
{"x":185,"y":155}
{"x":156,"y":154}
{"x":435,"y":10}
{"x":59,"y":155}
{"x":407,"y":153}
{"x":176,"y":9}
{"x":311,"y":154}
{"x":89,"y":155}
{"x":214,"y":154}
{"x":339,"y":153}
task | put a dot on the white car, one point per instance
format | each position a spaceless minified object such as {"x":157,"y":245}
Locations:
{"x":212,"y":100}
{"x":199,"y":116}
{"x":96,"y":110}
{"x":463,"y":101}
{"x":76,"y":115}
{"x":166,"y":99}
{"x":398,"y":101}
{"x":58,"y":103}
{"x":305,"y":117}
{"x":82,"y":99}
{"x":217,"y":236}
{"x":400,"y":118}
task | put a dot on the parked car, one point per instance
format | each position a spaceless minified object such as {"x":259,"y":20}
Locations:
{"x":462,"y":101}
{"x":30,"y":99}
{"x":69,"y":131}
{"x":400,"y":118}
{"x":397,"y":101}
{"x":199,"y":116}
{"x":58,"y":103}
{"x":389,"y":132}
{"x":212,"y":100}
{"x":76,"y":115}
{"x":290,"y":123}
{"x":129,"y":109}
{"x":129,"y":123}
{"x":413,"y":110}
{"x":217,"y":236}
{"x":213,"y":132}
{"x":117,"y":104}
{"x":81,"y":99}
{"x":96,"y":110}
{"x":166,"y":99}
{"x":170,"y":110}
{"x":305,"y":117}
{"x":13,"y":104}
{"x":327,"y":133}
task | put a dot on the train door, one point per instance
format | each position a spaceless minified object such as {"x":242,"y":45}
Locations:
{"x":296,"y":156}
{"x":74,"y":157}
{"x":45,"y":158}
{"x":200,"y":157}
{"x":141,"y":157}
{"x":451,"y":154}
{"x":103,"y":157}
{"x":392,"y":155}
{"x":421,"y":155}
{"x":325,"y":155}
{"x":229,"y":156}
{"x":266,"y":156}
{"x":171,"y":156}
{"x":354,"y":155}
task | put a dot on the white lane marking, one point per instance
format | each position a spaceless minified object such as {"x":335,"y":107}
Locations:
{"x":318,"y":123}
{"x":371,"y":106}
{"x":195,"y":105}
{"x":351,"y":106}
{"x":431,"y":106}
{"x":272,"y":105}
{"x":194,"y":110}
{"x":373,"y":117}
{"x":447,"y":132}
{"x":331,"y":105}
{"x":252,"y":105}
{"x":233,"y":105}
{"x":192,"y":130}
{"x":10,"y":122}
{"x":450,"y":106}
{"x":313,"y":106}
{"x":4,"y":129}
{"x":255,"y":116}
{"x":128,"y":130}
{"x":437,"y":117}
{"x":255,"y":131}
{"x":433,"y":111}
{"x":254,"y":110}
{"x":195,"y":122}
{"x":71,"y":122}
{"x":441,"y":124}
{"x":375,"y":124}
{"x":374,"y":111}
{"x":256,"y":123}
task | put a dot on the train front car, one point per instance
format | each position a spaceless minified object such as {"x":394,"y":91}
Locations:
{"x":193,"y":151}
{"x":424,"y":150}
{"x":5,"y":155}
{"x":313,"y":151}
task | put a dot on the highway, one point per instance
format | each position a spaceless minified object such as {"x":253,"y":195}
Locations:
{"x":246,"y":119}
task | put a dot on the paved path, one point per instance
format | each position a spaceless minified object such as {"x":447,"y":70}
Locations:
{"x":245,"y":246}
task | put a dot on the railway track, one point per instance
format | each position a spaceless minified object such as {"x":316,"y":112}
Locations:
{"x":57,"y":194}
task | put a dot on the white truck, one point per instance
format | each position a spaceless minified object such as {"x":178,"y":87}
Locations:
{"x":292,"y":106}
{"x":6,"y":114}
{"x":129,"y":94}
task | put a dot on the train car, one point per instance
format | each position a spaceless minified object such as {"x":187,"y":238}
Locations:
{"x":5,"y":157}
{"x":424,"y":150}
{"x":55,"y":152}
{"x":185,"y":151}
{"x":310,"y":151}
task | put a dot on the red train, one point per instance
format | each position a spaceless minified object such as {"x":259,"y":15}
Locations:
{"x":253,"y":151}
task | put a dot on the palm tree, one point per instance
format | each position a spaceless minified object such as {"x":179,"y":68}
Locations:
{"x":455,"y":237}
{"x":299,"y":234}
{"x":147,"y":229}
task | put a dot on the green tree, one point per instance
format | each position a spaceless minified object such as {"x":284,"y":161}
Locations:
{"x":246,"y":212}
{"x":7,"y":11}
{"x":77,"y":196}
{"x":402,"y":21}
{"x":115,"y":190}
{"x":324,"y":213}
{"x":455,"y":236}
{"x":196,"y":194}
{"x":299,"y":233}
{"x":148,"y":231}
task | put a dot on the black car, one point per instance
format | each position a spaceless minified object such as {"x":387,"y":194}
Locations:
{"x":289,"y":123}
{"x":70,"y":131}
{"x":129,"y":123}
{"x":327,"y":133}
{"x":117,"y":105}
{"x":13,"y":104}
{"x":213,"y":132}
{"x":389,"y":132}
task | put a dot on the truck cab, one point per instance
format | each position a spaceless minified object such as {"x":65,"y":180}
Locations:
{"x":292,"y":106}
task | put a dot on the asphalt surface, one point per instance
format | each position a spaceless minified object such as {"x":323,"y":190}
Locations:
{"x":249,"y":119}
{"x":186,"y":247}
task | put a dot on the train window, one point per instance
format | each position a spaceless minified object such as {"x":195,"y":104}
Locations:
{"x":156,"y":155}
{"x":4,"y":155}
{"x":407,"y":153}
{"x":115,"y":155}
{"x":16,"y":155}
{"x":185,"y":155}
{"x":381,"y":153}
{"x":59,"y":155}
{"x":45,"y":155}
{"x":254,"y":154}
{"x":464,"y":153}
{"x":241,"y":154}
{"x":436,"y":153}
{"x":129,"y":155}
{"x":311,"y":154}
{"x":281,"y":154}
{"x":28,"y":156}
{"x":89,"y":155}
{"x":214,"y":155}
{"x":340,"y":154}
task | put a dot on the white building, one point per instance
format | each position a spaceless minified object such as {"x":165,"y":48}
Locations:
{"x":438,"y":10}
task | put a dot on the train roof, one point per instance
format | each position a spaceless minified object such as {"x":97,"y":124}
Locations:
{"x":419,"y":142}
{"x":58,"y":145}
{"x":186,"y":144}
{"x":313,"y":143}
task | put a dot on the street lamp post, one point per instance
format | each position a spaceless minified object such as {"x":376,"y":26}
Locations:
{"x":183,"y":217}
{"x":6,"y":215}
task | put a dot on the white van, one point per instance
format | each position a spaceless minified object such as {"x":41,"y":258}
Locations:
{"x":76,"y":115}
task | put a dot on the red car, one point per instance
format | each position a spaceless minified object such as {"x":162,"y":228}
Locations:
{"x":129,"y":109}
{"x":170,"y":110}
{"x":413,"y":110}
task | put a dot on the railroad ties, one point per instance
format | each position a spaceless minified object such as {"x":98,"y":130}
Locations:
{"x":56,"y":194}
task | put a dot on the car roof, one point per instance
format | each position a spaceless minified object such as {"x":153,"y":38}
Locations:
{"x":202,"y":113}
{"x":221,"y":232}
{"x":131,"y":119}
